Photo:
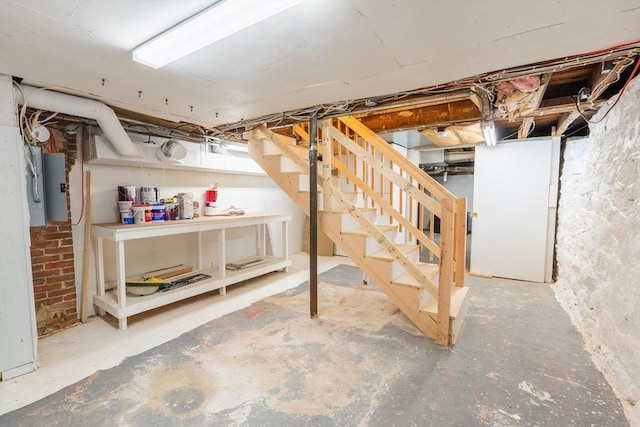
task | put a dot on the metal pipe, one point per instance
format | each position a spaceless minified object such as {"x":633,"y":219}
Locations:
{"x":313,"y":215}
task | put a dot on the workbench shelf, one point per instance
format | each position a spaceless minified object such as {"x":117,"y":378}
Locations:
{"x":120,"y":305}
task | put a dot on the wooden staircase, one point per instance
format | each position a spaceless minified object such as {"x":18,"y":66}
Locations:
{"x":373,"y":205}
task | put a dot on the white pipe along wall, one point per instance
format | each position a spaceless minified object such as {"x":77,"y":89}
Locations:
{"x":45,"y":99}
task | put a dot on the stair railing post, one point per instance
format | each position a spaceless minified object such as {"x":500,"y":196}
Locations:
{"x":460,"y":243}
{"x":313,"y":216}
{"x":446,"y":272}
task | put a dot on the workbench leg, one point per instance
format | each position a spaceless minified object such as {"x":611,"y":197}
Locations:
{"x":199,"y":250}
{"x":99,"y":252}
{"x":223,"y":290}
{"x":262,"y":231}
{"x":122,"y":323}
{"x":222,"y":259}
{"x":285,"y":243}
{"x":121,"y":291}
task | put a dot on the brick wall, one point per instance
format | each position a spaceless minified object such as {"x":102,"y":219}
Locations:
{"x":52,"y":263}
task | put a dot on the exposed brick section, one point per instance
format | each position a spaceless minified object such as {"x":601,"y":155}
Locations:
{"x":52,"y":263}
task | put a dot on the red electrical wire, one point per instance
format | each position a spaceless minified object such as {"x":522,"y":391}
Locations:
{"x":53,"y":146}
{"x":78,"y":150}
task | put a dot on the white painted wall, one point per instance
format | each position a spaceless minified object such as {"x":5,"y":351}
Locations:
{"x":460,"y":186}
{"x":251,"y":192}
{"x":18,"y":336}
{"x":598,"y":244}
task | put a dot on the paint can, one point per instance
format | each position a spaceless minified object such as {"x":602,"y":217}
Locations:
{"x":147,"y":195}
{"x":127,"y":193}
{"x":158,"y":212}
{"x":126,"y":217}
{"x":124,"y":205}
{"x":210,"y":205}
{"x":170,"y":212}
{"x":148,"y":213}
{"x":138,"y":214}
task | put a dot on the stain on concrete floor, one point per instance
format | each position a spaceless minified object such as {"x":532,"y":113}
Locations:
{"x":519,"y":362}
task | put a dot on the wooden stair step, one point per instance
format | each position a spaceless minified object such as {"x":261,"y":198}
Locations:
{"x":429,"y":270}
{"x":383,"y":255}
{"x":457,"y":311}
{"x":344,"y":211}
{"x":364,"y":232}
{"x":459,"y":296}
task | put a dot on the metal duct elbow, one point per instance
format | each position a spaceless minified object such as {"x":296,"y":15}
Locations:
{"x":80,"y":107}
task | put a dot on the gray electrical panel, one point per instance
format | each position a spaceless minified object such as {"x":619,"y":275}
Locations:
{"x":35,"y":186}
{"x":46,"y":187}
{"x":55,"y":187}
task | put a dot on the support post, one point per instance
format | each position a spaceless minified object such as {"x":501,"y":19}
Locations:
{"x":446,"y":273}
{"x":460,"y":241}
{"x":313,"y":216}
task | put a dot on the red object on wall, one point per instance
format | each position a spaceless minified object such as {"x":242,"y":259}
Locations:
{"x":210,"y":196}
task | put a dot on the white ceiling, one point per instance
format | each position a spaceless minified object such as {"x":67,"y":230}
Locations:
{"x":321,"y":51}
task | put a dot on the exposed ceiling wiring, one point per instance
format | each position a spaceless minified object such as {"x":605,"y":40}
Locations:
{"x":483,"y":82}
{"x":633,"y":73}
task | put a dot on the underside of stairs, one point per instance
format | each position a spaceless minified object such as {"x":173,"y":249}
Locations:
{"x":370,"y":203}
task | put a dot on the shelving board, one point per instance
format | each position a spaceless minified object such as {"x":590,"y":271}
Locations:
{"x":140,"y":304}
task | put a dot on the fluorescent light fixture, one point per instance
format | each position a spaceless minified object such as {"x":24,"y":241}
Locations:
{"x":212,"y":24}
{"x":489,"y":131}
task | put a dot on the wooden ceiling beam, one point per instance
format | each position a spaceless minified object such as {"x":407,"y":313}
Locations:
{"x":565,"y":121}
{"x":431,"y":116}
{"x":412,"y":103}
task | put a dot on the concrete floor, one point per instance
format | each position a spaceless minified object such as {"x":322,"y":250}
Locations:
{"x":519,"y":362}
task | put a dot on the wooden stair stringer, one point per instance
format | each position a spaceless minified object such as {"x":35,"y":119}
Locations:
{"x":405,"y":298}
{"x":387,"y":244}
{"x":288,"y":182}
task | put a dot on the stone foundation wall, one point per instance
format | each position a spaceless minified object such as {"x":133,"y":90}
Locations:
{"x":598,"y":243}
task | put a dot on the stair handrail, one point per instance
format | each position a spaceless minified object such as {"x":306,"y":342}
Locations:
{"x":380,"y":237}
{"x":413,"y":230}
{"x":387,"y":207}
{"x":389,"y":173}
{"x":458,"y":206}
{"x":421,"y":176}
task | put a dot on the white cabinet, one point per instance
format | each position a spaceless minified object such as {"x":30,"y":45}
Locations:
{"x":117,"y":303}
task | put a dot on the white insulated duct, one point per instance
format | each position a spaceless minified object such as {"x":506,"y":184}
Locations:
{"x":80,"y":107}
